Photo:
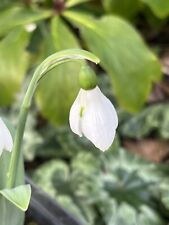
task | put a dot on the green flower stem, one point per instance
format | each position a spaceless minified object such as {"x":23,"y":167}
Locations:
{"x":16,"y":148}
{"x":47,"y":65}
{"x":19,"y":132}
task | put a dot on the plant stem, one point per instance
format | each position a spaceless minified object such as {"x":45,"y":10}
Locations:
{"x":20,"y":131}
{"x":16,"y":151}
{"x":17,"y":145}
{"x":47,"y":65}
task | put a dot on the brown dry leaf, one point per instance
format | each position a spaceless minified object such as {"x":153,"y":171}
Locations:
{"x":157,"y":94}
{"x":149,"y":149}
{"x":165,"y":62}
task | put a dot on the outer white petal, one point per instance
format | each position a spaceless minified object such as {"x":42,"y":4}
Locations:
{"x":6,"y":136}
{"x":99,"y":120}
{"x":1,"y":141}
{"x":74,"y":115}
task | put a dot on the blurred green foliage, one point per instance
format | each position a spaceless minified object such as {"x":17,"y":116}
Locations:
{"x":126,"y":59}
{"x":111,"y":188}
{"x":114,"y":188}
{"x":107,"y":189}
{"x":159,"y":8}
{"x":100,"y":26}
{"x":125,"y":8}
{"x":62,"y":82}
{"x":13,"y":64}
{"x":129,"y":8}
{"x":153,"y":119}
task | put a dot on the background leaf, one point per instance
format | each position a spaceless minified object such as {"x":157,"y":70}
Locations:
{"x":13,"y":64}
{"x":153,"y":119}
{"x":17,"y":15}
{"x":71,"y":3}
{"x":124,"y":8}
{"x":56,"y":109}
{"x":160,"y":8}
{"x":115,"y":186}
{"x":123,"y":54}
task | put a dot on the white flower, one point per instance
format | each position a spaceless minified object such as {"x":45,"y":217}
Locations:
{"x":6,"y":142}
{"x":94,"y":116}
{"x":30,"y":27}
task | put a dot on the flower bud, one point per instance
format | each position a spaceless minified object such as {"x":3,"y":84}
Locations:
{"x":87,"y":78}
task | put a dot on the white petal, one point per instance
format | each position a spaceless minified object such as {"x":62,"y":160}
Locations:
{"x":1,"y":141}
{"x":74,"y":116}
{"x":99,"y":120}
{"x":6,"y":136}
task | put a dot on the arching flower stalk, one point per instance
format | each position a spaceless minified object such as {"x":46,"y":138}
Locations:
{"x":42,"y":70}
{"x":13,"y":192}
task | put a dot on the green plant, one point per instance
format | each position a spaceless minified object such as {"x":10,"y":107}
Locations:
{"x":114,"y":188}
{"x":124,"y":55}
{"x":14,"y":194}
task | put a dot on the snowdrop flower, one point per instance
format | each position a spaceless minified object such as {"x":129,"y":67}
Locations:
{"x":6,"y":142}
{"x":93,"y":115}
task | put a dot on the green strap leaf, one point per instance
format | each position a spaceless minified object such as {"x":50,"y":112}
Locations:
{"x":19,"y":196}
{"x":124,"y":56}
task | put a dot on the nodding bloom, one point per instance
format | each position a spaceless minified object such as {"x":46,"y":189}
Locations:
{"x":94,"y":116}
{"x":6,"y":142}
